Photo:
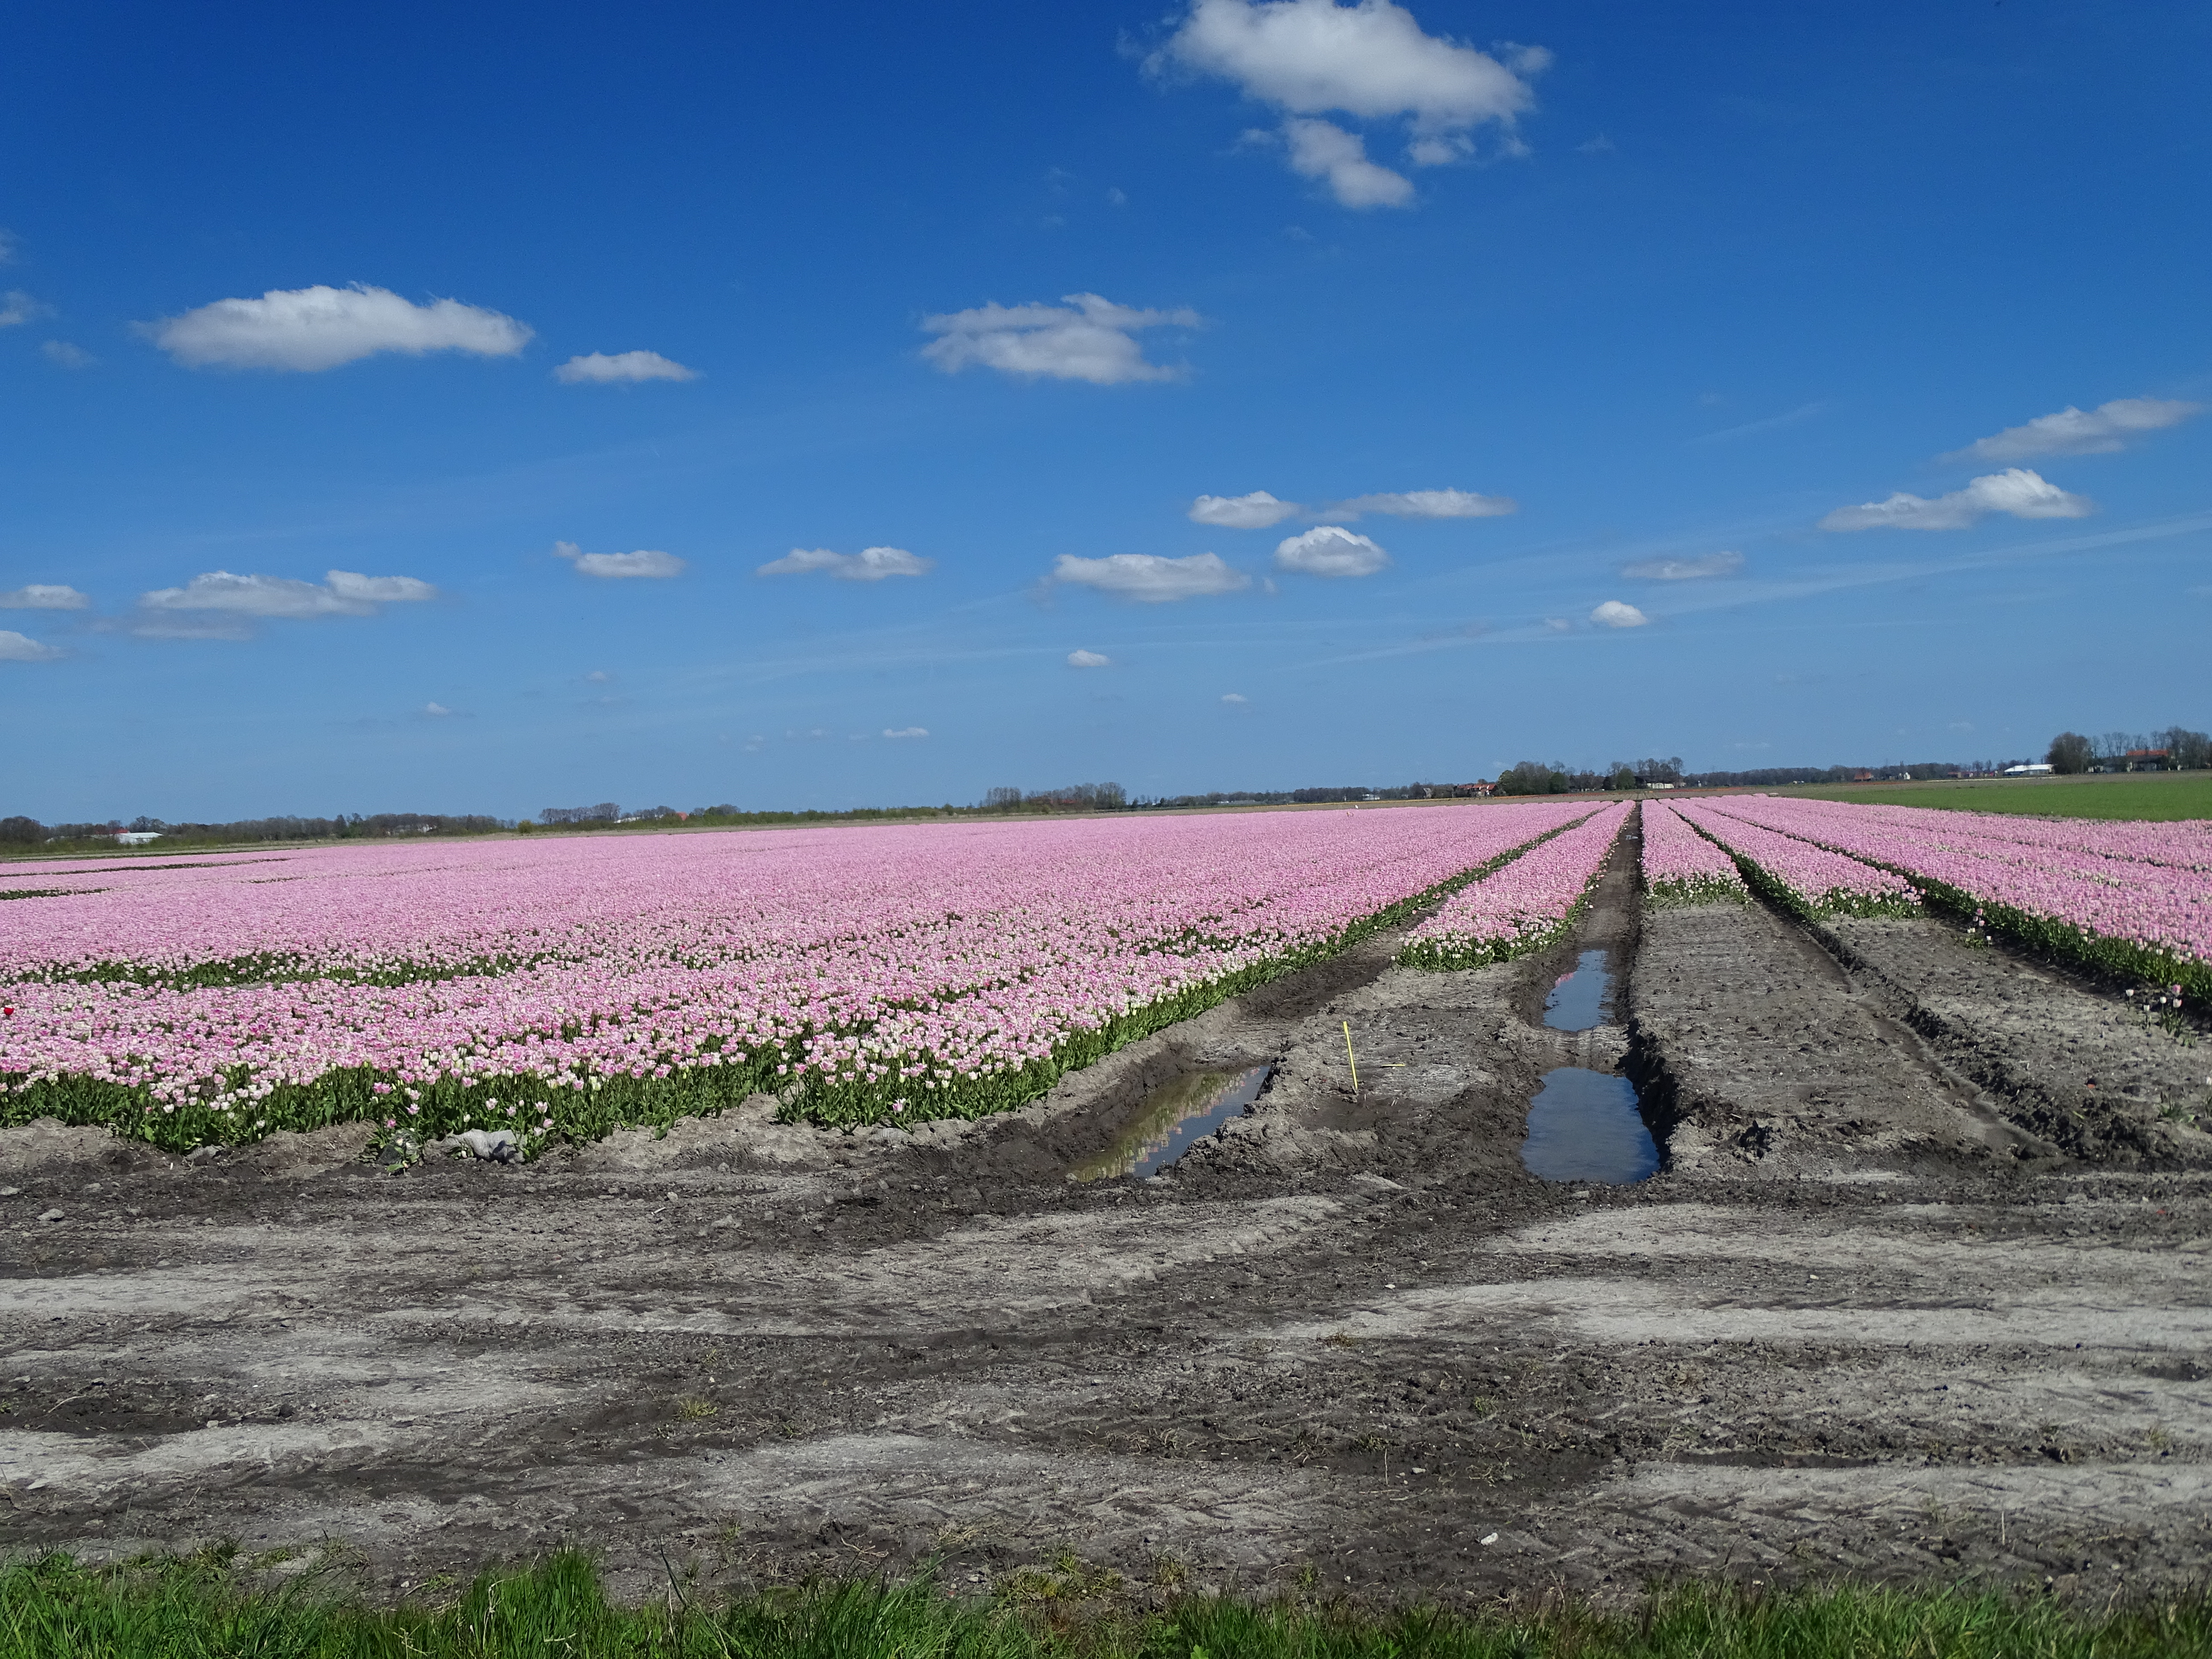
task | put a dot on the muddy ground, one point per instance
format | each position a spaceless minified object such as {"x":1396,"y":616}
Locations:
{"x":1920,"y":1295}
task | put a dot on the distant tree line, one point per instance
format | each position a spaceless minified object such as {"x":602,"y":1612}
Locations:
{"x":2176,"y":749}
{"x":1069,"y":798}
{"x":19,"y":833}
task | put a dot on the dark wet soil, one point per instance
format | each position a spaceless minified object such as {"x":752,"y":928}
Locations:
{"x":1882,"y":1314}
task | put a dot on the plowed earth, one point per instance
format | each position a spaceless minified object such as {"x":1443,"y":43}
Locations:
{"x":1921,"y":1294}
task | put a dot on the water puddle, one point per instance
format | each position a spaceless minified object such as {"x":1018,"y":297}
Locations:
{"x":1577,"y":1001}
{"x":1584,"y":1125}
{"x":1172,"y":1119}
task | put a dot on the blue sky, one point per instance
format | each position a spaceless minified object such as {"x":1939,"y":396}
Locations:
{"x":1758,"y":384}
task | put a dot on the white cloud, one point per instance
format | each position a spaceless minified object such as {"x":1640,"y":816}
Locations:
{"x":599,"y":676}
{"x":8,"y":245}
{"x":907,"y":732}
{"x":2016,"y":491}
{"x":435,"y":710}
{"x":309,"y":329}
{"x":341,"y":593}
{"x":1331,"y":551}
{"x":43,"y":596}
{"x":17,"y":308}
{"x":870,"y":564}
{"x":1234,"y":696}
{"x":1085,"y":339}
{"x":1371,"y":61}
{"x":1614,"y":614}
{"x":1088,"y":660}
{"x":1254,"y":512}
{"x":1557,"y":624}
{"x":67,"y":355}
{"x":1325,"y":151}
{"x":646,"y":562}
{"x":1426,"y":504}
{"x":1150,"y":578}
{"x":600,"y":369}
{"x":2072,"y":431}
{"x":1684,"y":570}
{"x":19,"y":648}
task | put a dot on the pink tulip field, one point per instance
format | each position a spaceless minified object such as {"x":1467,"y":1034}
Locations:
{"x":1524,"y":906}
{"x":2130,"y":899}
{"x":1797,"y":873}
{"x":1681,"y":866}
{"x":566,"y":985}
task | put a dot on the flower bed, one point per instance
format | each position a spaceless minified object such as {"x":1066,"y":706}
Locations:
{"x":1524,"y":906}
{"x":566,"y":987}
{"x":1681,"y":866}
{"x":1800,"y":876}
{"x":2124,"y":900}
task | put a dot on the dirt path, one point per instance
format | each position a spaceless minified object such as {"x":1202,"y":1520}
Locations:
{"x":1872,"y":1317}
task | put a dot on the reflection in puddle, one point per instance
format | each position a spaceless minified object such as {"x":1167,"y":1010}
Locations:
{"x":1172,"y":1118}
{"x":1577,"y":1001}
{"x":1584,"y":1125}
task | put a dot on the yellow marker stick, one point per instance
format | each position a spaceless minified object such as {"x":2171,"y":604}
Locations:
{"x":1351,"y":1057}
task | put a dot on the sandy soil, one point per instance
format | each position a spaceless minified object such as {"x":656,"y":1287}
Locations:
{"x":1906,"y":1303}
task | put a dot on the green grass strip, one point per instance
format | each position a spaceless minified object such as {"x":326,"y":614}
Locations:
{"x":54,"y":1608}
{"x":2142,"y":797}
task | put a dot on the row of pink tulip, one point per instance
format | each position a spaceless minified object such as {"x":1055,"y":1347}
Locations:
{"x":2144,"y":917}
{"x":1681,"y":867}
{"x":1800,"y":874}
{"x":1522,"y":907}
{"x":934,"y":969}
{"x":2185,"y":844}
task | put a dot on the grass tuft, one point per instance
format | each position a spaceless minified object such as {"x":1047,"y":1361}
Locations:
{"x":56,"y":1609}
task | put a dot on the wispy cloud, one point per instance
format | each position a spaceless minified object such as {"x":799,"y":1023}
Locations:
{"x":2072,"y":431}
{"x":1796,"y":416}
{"x":1085,"y":338}
{"x":43,"y":596}
{"x":907,"y":732}
{"x":1684,"y":570}
{"x":645,"y":564}
{"x":306,"y":329}
{"x":870,"y":564}
{"x":1089,"y":660}
{"x":2016,"y":491}
{"x":1151,"y":579}
{"x":1234,"y":697}
{"x":17,"y":308}
{"x":599,"y":368}
{"x":64,"y":355}
{"x":1843,"y":577}
{"x":1426,"y":504}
